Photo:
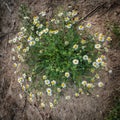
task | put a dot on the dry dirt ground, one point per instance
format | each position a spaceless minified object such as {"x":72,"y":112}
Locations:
{"x":82,"y":108}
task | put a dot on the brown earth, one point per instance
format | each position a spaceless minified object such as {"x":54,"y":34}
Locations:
{"x":82,"y":108}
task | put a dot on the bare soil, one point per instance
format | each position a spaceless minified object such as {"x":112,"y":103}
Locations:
{"x":83,"y":108}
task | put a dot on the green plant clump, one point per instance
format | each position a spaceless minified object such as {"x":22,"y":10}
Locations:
{"x":59,"y":53}
{"x":114,"y":114}
{"x":116,"y":30}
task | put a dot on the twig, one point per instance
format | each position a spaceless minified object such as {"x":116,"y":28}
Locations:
{"x":7,"y":7}
{"x":93,"y":11}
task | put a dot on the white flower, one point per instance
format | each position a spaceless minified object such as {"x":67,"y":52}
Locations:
{"x":83,"y":47}
{"x":24,"y":75}
{"x":39,"y":25}
{"x":97,"y":46}
{"x":58,"y":90}
{"x":42,"y":105}
{"x":60,"y":14}
{"x":23,"y":88}
{"x":51,"y":105}
{"x":74,"y":13}
{"x":29,"y":79}
{"x":32,"y":43}
{"x":100,"y":84}
{"x":80,"y":90}
{"x":41,"y":51}
{"x":30,"y":38}
{"x":52,"y":20}
{"x":75,"y":46}
{"x":89,"y":85}
{"x":76,"y":19}
{"x":31,"y":95}
{"x":80,"y":27}
{"x":101,"y":37}
{"x":35,"y":19}
{"x":14,"y":40}
{"x":47,"y":82}
{"x":13,"y":49}
{"x":20,"y":80}
{"x":108,"y":38}
{"x":36,"y":39}
{"x":44,"y":77}
{"x":10,"y":41}
{"x":88,"y":25}
{"x":32,"y":27}
{"x":68,"y":25}
{"x":85,"y":57}
{"x":24,"y":50}
{"x":40,"y":33}
{"x":50,"y":94}
{"x":39,"y":93}
{"x":97,"y":76}
{"x":20,"y":95}
{"x":76,"y":94}
{"x":19,"y":47}
{"x":106,"y":49}
{"x":27,"y":86}
{"x":96,"y":34}
{"x":95,"y":64}
{"x":57,"y":21}
{"x":67,"y":97}
{"x":69,"y":6}
{"x":13,"y":58}
{"x":37,"y":32}
{"x":27,"y":49}
{"x":84,"y":83}
{"x":103,"y":57}
{"x":110,"y":71}
{"x":26,"y":17}
{"x":45,"y":30}
{"x":55,"y":101}
{"x":75,"y":61}
{"x":69,"y":14}
{"x":15,"y":72}
{"x":99,"y":60}
{"x":53,"y":31}
{"x":103,"y":64}
{"x":19,"y":56}
{"x":56,"y":31}
{"x":43,"y":13}
{"x":67,"y":19}
{"x":67,"y":74}
{"x":49,"y":91}
{"x":63,"y":85}
{"x":97,"y":96}
{"x":66,"y":43}
{"x":53,"y":82}
{"x":23,"y":29}
{"x":31,"y":99}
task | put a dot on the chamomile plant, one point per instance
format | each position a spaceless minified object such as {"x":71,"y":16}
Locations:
{"x":59,"y":54}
